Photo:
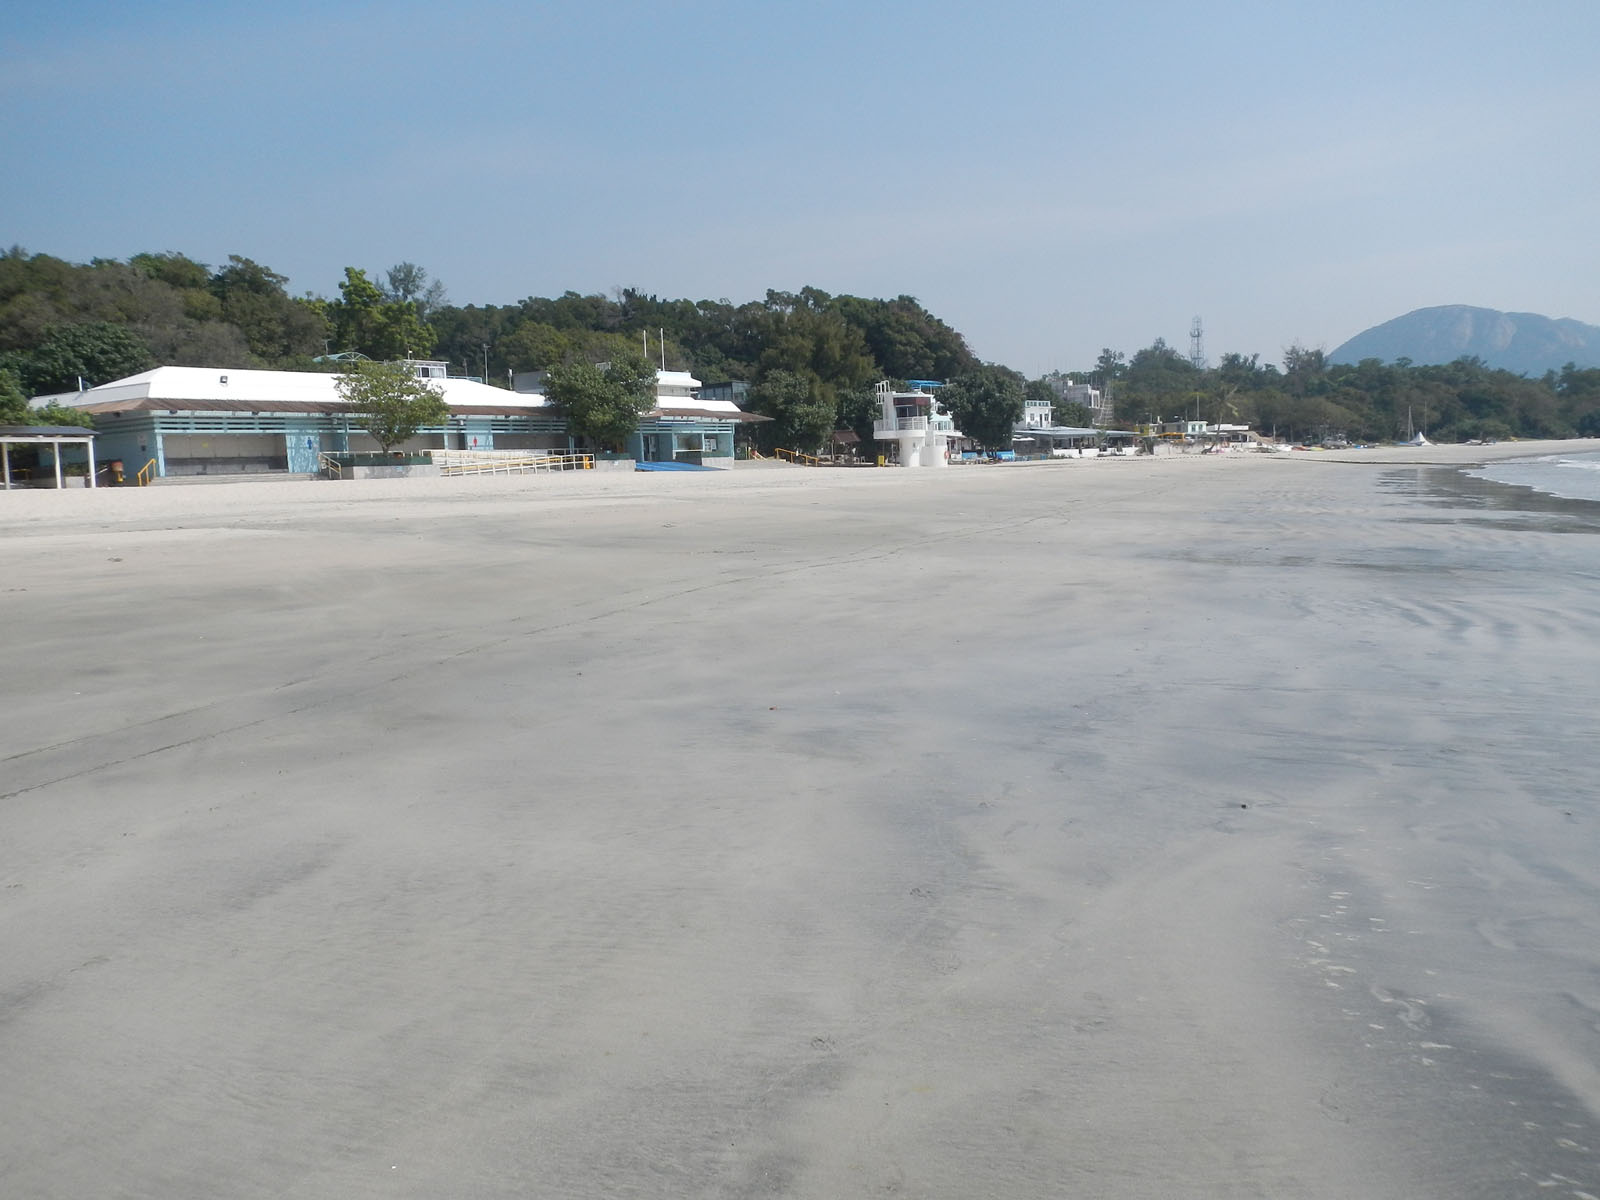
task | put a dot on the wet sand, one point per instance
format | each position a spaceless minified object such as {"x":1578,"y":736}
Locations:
{"x":1206,"y":828}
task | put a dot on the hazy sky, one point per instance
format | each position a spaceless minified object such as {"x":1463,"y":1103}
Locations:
{"x":1049,"y":178}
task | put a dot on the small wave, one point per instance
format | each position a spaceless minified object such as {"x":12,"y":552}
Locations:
{"x":1571,"y":477}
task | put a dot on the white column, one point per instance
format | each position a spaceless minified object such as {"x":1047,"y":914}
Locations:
{"x":55,"y":453}
{"x":5,"y":461}
{"x":90,"y":445}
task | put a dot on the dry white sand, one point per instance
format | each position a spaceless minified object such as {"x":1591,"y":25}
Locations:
{"x":1196,"y":828}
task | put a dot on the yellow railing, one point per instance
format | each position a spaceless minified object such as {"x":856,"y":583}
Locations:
{"x":146,"y":474}
{"x":794,"y":456}
{"x":329,"y":466}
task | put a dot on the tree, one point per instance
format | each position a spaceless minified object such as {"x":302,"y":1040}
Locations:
{"x":363,"y":319}
{"x":59,"y":414}
{"x":801,"y":332}
{"x":604,"y":403}
{"x":1302,"y":368}
{"x":13,"y":403}
{"x":1111,"y":364}
{"x":986,"y":404}
{"x":1071,"y":413}
{"x":391,"y":401}
{"x":174,"y":269}
{"x":801,"y":416}
{"x":407,"y":283}
{"x":906,"y":340}
{"x":535,"y":347}
{"x":275,"y":327}
{"x":859,"y":412}
{"x":96,"y":352}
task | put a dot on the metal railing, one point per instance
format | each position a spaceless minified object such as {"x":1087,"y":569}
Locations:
{"x":795,"y":456}
{"x":508,"y":462}
{"x":146,"y":474}
{"x":915,"y":425}
{"x":330,"y":466}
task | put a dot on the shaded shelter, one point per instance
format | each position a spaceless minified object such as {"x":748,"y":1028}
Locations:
{"x":39,"y":436}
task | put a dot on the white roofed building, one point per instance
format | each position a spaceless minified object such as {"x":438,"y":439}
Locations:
{"x":686,"y":427}
{"x":219,"y":420}
{"x":920,"y":429}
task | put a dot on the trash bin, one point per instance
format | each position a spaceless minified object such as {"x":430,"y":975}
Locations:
{"x":114,"y":472}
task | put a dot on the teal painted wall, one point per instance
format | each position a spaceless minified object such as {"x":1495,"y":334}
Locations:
{"x":122,"y":436}
{"x":303,"y":446}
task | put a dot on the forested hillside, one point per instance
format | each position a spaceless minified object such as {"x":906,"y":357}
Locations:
{"x":811,"y":358}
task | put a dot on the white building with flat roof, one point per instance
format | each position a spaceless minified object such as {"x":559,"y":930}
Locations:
{"x":913,"y":420}
{"x":222,"y":420}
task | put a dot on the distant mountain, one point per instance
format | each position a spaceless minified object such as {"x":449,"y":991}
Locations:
{"x":1522,"y":342}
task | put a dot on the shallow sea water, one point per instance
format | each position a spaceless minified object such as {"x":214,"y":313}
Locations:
{"x":1571,"y":476}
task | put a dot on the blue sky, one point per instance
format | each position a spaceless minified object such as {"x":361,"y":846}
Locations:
{"x":1049,"y":178}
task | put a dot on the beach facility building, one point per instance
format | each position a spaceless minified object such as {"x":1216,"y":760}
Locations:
{"x":920,"y":430}
{"x":1037,"y":435}
{"x":1057,"y":441}
{"x":686,"y":425}
{"x":208,"y":421}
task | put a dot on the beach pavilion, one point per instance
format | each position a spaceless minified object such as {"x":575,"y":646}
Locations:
{"x":211,"y":420}
{"x":37,"y":437}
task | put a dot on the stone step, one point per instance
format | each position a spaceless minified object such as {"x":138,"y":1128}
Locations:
{"x":239,"y":477}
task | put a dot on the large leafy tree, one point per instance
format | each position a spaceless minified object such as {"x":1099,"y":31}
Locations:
{"x":859,"y":412}
{"x":1110,"y":365}
{"x":407,"y":283}
{"x":1070,"y":412}
{"x":390,"y":401}
{"x":801,"y":416}
{"x":604,"y":403}
{"x":275,"y":326}
{"x":13,"y":401}
{"x":905,"y":339}
{"x":14,"y":409}
{"x":986,"y":404}
{"x":536,"y":346}
{"x":95,"y":352}
{"x":364,"y":319}
{"x":800,"y":332}
{"x":174,"y":269}
{"x":1304,"y":369}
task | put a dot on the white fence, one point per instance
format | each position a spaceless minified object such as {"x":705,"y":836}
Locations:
{"x":508,"y":462}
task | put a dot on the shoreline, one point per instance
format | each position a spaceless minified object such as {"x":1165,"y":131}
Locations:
{"x":40,"y":510}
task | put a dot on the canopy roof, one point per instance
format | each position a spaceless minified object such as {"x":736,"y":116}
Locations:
{"x":45,"y":433}
{"x":225,"y":389}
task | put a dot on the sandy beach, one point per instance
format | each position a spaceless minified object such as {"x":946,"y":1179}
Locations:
{"x":1202,"y":827}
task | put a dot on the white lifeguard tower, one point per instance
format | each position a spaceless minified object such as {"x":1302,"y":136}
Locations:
{"x":914,"y":420}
